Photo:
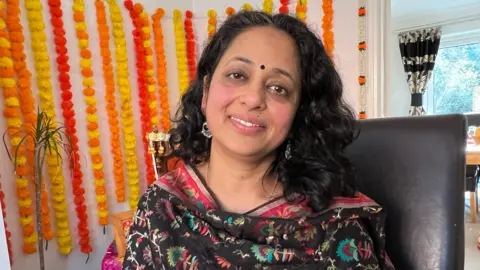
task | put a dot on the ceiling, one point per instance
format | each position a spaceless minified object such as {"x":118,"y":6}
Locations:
{"x":408,"y":8}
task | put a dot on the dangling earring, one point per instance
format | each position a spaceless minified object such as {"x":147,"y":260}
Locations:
{"x":205,"y":131}
{"x":288,"y":151}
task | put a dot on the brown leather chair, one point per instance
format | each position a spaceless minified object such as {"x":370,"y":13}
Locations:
{"x":415,"y":168}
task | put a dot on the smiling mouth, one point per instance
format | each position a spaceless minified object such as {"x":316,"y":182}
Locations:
{"x":245,"y":123}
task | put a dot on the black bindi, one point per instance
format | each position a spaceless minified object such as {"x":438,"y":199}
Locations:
{"x":262,"y":67}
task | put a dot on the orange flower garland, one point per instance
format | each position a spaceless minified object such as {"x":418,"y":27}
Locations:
{"x":46,"y":100}
{"x":327,"y":24}
{"x":108,"y":77}
{"x":302,"y":10}
{"x":12,"y":114}
{"x":161,"y":68}
{"x":230,"y":11}
{"x":362,"y":60}
{"x":27,"y":101}
{"x":149,"y":68}
{"x":190,"y":37}
{"x":123,"y":82}
{"x":284,"y":6}
{"x":212,"y":23}
{"x":134,"y":11}
{"x":93,"y":132}
{"x":8,"y":235}
{"x":149,"y":81}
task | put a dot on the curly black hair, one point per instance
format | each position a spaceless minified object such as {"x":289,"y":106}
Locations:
{"x":322,"y":128}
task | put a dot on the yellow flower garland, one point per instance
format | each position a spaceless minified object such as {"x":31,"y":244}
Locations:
{"x":150,"y":72}
{"x":42,"y":67}
{"x":301,"y":10}
{"x":123,"y":82}
{"x":181,"y":51}
{"x":212,"y":23}
{"x":268,"y":6}
{"x":11,"y":112}
{"x":92,"y":117}
{"x":248,"y":7}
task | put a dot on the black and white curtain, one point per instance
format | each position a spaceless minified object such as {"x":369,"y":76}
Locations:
{"x":419,"y":49}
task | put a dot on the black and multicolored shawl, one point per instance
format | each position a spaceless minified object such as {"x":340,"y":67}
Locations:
{"x":178,"y":226}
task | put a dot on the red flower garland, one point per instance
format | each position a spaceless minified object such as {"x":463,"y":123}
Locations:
{"x":141,"y":80}
{"x":284,"y":6}
{"x":190,"y":37}
{"x":68,"y":113}
{"x":115,"y":147}
{"x":8,"y":235}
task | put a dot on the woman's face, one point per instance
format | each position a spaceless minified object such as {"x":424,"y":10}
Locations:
{"x":254,"y":93}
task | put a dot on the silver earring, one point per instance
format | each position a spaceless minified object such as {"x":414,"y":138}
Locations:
{"x":288,"y":151}
{"x":205,"y":131}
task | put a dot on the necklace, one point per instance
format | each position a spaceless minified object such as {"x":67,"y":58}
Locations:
{"x":271,"y":194}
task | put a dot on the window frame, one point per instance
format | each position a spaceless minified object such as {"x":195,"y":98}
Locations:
{"x":446,"y":41}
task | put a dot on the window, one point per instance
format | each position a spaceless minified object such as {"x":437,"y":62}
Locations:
{"x":455,"y":83}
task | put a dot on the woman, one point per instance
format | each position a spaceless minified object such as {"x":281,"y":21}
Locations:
{"x":266,"y":184}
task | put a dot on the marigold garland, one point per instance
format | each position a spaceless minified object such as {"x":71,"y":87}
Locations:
{"x":161,"y":68}
{"x":8,"y":235}
{"x":190,"y":37}
{"x":111,"y":107}
{"x":301,"y":10}
{"x":268,"y":6}
{"x":11,"y":111}
{"x":135,"y":10}
{"x":247,"y":7}
{"x":181,"y":53}
{"x":362,"y":59}
{"x":67,"y":106}
{"x":327,"y":24}
{"x":230,"y":11}
{"x":284,"y":6}
{"x":123,"y":82}
{"x":42,"y":68}
{"x":150,"y":78}
{"x":150,"y":82}
{"x":212,"y":23}
{"x":93,"y":132}
{"x":27,"y":101}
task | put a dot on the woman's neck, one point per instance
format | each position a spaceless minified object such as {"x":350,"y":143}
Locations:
{"x":236,"y":180}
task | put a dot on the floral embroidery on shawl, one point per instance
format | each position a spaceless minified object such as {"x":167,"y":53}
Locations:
{"x":178,"y":226}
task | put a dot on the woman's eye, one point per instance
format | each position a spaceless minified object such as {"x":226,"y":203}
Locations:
{"x":236,"y":76}
{"x":278,"y":90}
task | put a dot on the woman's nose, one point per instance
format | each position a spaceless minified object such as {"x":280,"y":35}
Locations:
{"x":253,"y":96}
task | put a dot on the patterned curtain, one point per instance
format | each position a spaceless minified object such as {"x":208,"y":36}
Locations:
{"x":419,"y":49}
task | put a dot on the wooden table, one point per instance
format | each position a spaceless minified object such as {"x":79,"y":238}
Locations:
{"x":473,"y":154}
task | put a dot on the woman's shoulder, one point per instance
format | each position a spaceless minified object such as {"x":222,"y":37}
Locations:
{"x":359,"y":206}
{"x":174,"y":180}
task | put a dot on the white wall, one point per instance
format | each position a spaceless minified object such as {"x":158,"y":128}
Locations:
{"x":461,"y":23}
{"x":4,"y":259}
{"x":345,"y":31}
